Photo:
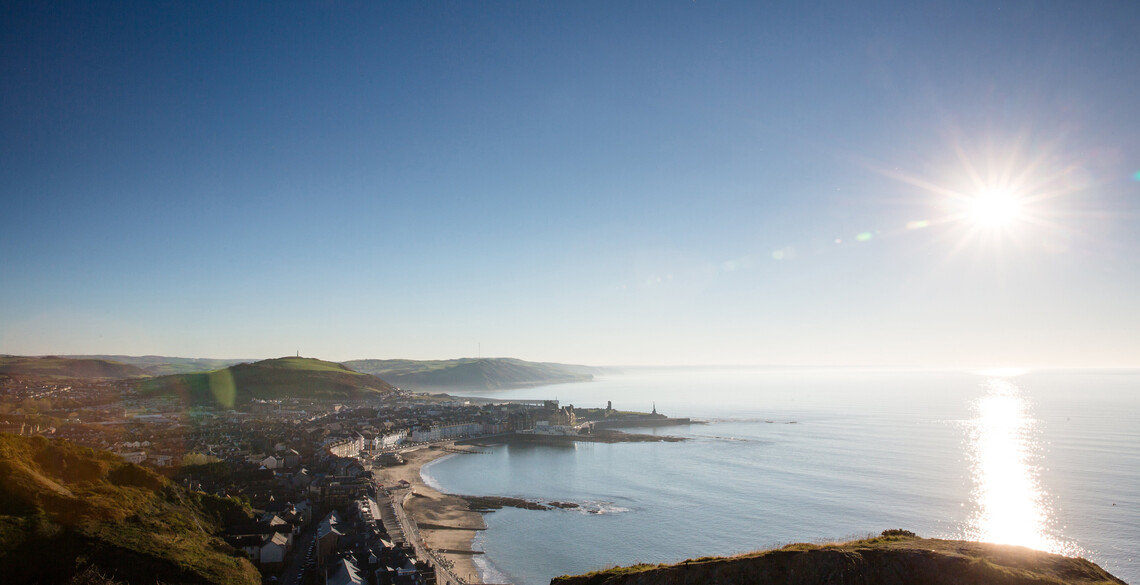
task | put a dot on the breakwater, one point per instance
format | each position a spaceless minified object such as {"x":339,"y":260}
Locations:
{"x":613,"y":423}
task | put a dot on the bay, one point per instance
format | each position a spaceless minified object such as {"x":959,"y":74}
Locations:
{"x":1045,"y":459}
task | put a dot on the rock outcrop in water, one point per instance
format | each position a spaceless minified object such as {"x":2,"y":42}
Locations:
{"x":896,"y":558}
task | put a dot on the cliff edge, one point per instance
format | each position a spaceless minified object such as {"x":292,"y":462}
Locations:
{"x":75,"y":516}
{"x":896,"y":558}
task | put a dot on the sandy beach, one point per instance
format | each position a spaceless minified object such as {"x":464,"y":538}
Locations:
{"x":445,"y":523}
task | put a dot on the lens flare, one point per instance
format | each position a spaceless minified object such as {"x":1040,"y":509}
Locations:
{"x":998,"y":197}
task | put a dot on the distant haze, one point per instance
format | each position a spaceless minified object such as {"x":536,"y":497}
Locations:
{"x":947,"y":184}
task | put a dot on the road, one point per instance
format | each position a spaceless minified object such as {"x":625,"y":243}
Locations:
{"x":443,"y":574}
{"x":297,"y":558}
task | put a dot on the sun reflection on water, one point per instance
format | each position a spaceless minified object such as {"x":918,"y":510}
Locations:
{"x":1010,"y":505}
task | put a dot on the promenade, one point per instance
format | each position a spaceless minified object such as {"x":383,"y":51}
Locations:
{"x":444,"y":568}
{"x":448,"y":527}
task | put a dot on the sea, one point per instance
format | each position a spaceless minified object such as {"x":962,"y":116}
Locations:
{"x":1044,"y":459}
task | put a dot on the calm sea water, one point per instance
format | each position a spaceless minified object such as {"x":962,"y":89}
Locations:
{"x":1047,"y":459}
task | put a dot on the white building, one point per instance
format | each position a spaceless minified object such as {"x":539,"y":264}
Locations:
{"x":543,"y":427}
{"x":346,"y":447}
{"x":439,"y":433}
{"x":389,"y":440}
{"x":133,"y":456}
{"x":273,"y":550}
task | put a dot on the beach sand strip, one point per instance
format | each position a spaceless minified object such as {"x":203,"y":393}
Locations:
{"x":446,"y":524}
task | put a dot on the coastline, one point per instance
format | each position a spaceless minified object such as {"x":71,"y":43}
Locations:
{"x":785,"y":454}
{"x":449,"y":524}
{"x":445,"y":523}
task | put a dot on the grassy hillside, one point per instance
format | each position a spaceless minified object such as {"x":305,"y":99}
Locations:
{"x":471,"y":373}
{"x":66,"y":510}
{"x":289,"y":377}
{"x":885,"y":560}
{"x":64,"y":367}
{"x":157,"y":365}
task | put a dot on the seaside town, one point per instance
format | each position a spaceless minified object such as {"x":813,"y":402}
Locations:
{"x":335,"y":484}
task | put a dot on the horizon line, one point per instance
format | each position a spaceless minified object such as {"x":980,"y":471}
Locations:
{"x":801,"y":366}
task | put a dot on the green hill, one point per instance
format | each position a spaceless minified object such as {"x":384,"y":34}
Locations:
{"x":288,"y":377}
{"x":67,"y":512}
{"x":157,"y":365}
{"x":899,"y":559}
{"x":472,"y":373}
{"x":66,"y":367}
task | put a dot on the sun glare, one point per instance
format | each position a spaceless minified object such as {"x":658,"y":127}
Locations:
{"x":997,"y":208}
{"x":997,"y":196}
{"x":1011,"y":506}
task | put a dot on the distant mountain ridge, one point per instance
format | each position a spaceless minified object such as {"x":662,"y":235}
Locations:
{"x":287,"y":377}
{"x":66,"y":510}
{"x":68,"y":367}
{"x":157,"y":365}
{"x":472,"y":373}
{"x":438,"y":375}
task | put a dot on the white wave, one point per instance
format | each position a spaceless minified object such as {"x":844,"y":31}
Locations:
{"x":599,"y":508}
{"x":429,"y":479}
{"x":488,"y":572}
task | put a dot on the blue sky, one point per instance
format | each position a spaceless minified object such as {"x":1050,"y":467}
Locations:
{"x":604,"y":183}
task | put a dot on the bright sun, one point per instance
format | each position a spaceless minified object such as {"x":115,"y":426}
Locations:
{"x":995,"y":208}
{"x":995,"y":197}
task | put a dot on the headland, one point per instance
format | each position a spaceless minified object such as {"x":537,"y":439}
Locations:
{"x":897,"y":557}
